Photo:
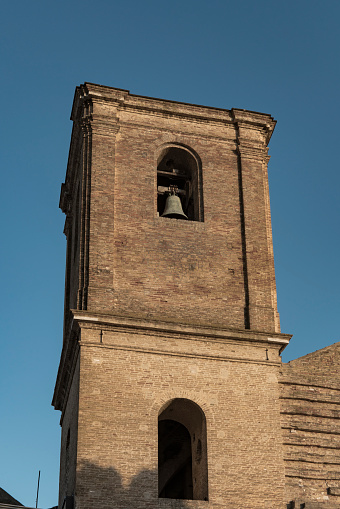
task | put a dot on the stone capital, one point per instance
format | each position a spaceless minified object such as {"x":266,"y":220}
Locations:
{"x":253,"y":125}
{"x":247,"y":149}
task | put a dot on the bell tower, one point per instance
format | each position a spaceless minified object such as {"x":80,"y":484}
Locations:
{"x":167,"y":382}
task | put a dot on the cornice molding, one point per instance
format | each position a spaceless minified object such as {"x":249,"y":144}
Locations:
{"x":128,"y":324}
{"x":247,"y":149}
{"x":201,"y":342}
{"x":245,"y":120}
{"x":104,"y":125}
{"x":67,"y":365}
{"x":88,"y":93}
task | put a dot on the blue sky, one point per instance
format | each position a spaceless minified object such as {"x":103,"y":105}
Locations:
{"x":270,"y":56}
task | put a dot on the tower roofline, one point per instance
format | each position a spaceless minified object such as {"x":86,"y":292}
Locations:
{"x":124,"y":98}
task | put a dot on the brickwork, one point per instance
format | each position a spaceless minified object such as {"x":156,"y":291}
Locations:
{"x":161,"y":310}
{"x":127,"y":377}
{"x":310,"y":413}
{"x":135,"y":263}
{"x":69,"y":439}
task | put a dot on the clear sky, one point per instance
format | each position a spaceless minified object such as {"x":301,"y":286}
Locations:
{"x":277,"y":57}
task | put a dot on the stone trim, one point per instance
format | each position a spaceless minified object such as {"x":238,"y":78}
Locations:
{"x":206,"y":333}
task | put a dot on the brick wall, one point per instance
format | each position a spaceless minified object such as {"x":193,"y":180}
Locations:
{"x":310,"y":398}
{"x":131,"y":262}
{"x":69,"y":439}
{"x":165,"y":308}
{"x":127,"y":377}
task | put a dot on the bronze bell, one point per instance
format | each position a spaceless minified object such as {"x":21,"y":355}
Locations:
{"x":173,"y":207}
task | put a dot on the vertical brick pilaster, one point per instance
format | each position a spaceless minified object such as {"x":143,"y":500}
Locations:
{"x":101,"y":230}
{"x":257,"y":238}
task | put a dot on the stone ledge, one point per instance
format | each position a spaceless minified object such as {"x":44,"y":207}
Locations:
{"x":208,"y":333}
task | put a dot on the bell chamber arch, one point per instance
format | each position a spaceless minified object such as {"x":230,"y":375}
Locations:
{"x":179,"y":174}
{"x":182,"y":451}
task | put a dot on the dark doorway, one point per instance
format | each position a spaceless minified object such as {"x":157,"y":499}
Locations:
{"x":174,"y":461}
{"x":182,"y":451}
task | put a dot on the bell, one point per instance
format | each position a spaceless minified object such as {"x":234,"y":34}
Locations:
{"x":173,"y":207}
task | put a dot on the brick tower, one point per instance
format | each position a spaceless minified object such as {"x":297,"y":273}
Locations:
{"x":168,"y":379}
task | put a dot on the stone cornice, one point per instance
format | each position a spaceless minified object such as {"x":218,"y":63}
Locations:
{"x":64,"y":200}
{"x":65,"y":372}
{"x":104,"y":125}
{"x":248,"y":120}
{"x":123,"y":99}
{"x":250,"y":150}
{"x":178,"y":329}
{"x":198,"y":342}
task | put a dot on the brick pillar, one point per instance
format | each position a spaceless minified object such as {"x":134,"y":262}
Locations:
{"x":257,"y":238}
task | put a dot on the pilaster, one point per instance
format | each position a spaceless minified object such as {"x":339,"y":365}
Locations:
{"x":253,"y":133}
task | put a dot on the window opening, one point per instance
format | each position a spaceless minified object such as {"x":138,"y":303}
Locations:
{"x":178,"y":175}
{"x":182,"y":451}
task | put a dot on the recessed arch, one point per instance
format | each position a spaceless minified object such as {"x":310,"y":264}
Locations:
{"x":182,"y":451}
{"x":179,"y":171}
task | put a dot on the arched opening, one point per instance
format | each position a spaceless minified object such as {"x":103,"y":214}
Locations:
{"x":179,"y":172}
{"x":182,"y":451}
{"x":174,"y":455}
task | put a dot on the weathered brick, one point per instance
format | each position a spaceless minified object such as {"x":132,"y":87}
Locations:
{"x":160,"y":308}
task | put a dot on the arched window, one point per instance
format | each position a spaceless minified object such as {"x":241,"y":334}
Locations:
{"x":179,"y":171}
{"x":182,"y":451}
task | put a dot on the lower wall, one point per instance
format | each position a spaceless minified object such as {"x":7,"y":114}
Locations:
{"x":68,"y":450}
{"x":122,"y":391}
